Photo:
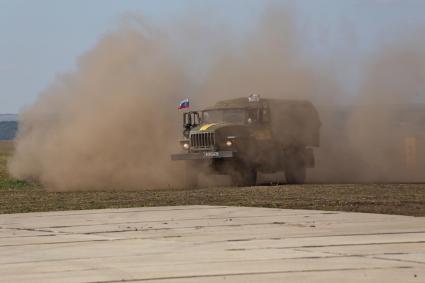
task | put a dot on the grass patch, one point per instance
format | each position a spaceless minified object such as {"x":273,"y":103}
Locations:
{"x":13,"y":184}
{"x":6,"y":181}
{"x":407,"y":199}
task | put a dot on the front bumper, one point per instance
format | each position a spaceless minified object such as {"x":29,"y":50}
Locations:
{"x":202,"y":155}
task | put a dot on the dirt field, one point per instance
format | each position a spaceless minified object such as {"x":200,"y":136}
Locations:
{"x":406,"y":199}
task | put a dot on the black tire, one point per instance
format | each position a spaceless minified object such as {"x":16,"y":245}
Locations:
{"x":244,"y":176}
{"x":295,"y":172}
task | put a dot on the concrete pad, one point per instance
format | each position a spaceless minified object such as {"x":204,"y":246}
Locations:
{"x":210,"y":244}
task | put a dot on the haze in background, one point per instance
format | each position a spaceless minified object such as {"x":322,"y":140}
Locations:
{"x":112,"y":123}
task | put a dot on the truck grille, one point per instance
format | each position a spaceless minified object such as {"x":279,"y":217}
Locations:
{"x":202,"y":140}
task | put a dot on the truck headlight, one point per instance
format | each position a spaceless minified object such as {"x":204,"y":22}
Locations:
{"x":186,"y":145}
{"x":229,"y":143}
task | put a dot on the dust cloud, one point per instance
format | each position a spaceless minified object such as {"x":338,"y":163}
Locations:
{"x":365,"y":137}
{"x":107,"y":125}
{"x":113,"y":123}
{"x":390,"y":116}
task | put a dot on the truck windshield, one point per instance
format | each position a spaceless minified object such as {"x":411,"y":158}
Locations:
{"x":236,"y":116}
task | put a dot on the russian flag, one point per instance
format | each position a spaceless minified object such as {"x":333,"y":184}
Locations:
{"x":184,"y":104}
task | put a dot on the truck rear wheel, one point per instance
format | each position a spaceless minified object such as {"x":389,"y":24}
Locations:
{"x":295,"y":172}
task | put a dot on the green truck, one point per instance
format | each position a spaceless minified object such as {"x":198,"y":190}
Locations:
{"x":243,"y":136}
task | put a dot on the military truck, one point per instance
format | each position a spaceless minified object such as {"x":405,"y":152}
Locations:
{"x":243,"y":136}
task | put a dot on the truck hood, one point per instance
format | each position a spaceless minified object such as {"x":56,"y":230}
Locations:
{"x":222,"y":129}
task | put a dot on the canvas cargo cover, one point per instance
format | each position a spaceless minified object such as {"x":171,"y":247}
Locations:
{"x":293,"y":122}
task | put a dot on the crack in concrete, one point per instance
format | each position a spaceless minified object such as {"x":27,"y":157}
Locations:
{"x":103,"y":211}
{"x":181,"y":263}
{"x":249,"y":273}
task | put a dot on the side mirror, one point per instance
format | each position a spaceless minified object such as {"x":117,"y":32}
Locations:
{"x":190,"y":121}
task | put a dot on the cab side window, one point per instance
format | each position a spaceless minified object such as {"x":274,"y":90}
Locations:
{"x":252,"y":116}
{"x":265,"y":115}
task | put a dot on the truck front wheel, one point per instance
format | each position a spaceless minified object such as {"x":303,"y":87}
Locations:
{"x":244,"y":176}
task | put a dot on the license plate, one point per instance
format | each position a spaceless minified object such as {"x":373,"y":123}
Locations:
{"x":212,"y":154}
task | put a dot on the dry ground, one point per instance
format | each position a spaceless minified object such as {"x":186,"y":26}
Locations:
{"x":407,"y":199}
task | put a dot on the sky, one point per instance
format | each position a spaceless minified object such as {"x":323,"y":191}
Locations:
{"x":41,"y":39}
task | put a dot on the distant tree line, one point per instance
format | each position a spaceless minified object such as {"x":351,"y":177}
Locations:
{"x":8,"y":130}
